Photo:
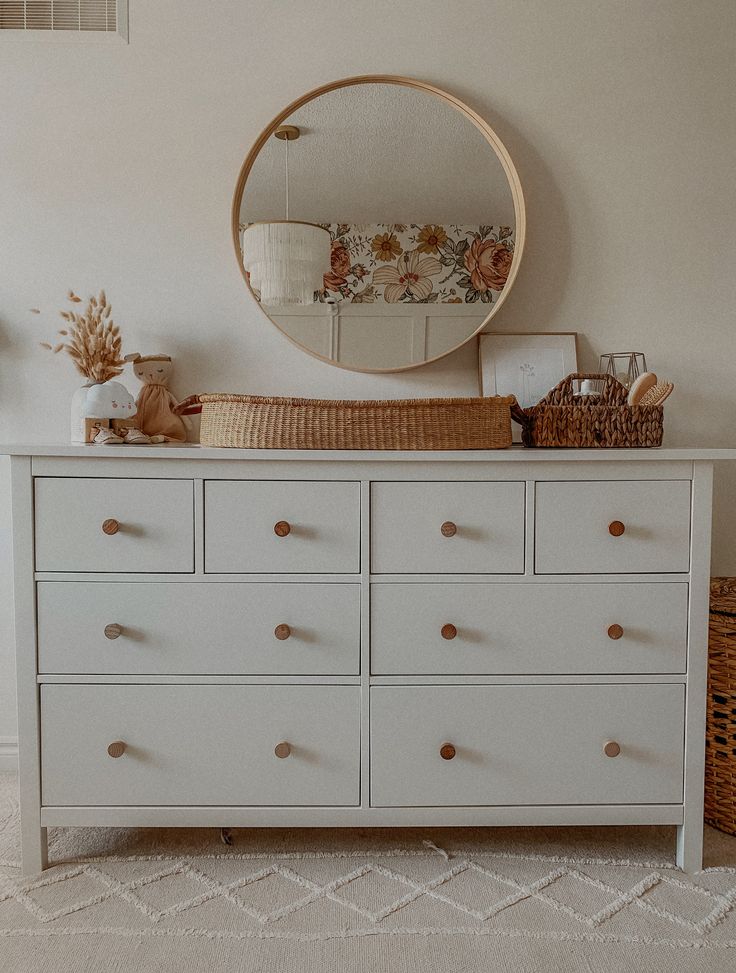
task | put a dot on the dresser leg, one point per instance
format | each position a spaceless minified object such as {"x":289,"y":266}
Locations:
{"x":34,"y":851}
{"x":690,"y":847}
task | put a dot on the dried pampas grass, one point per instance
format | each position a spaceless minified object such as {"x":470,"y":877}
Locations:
{"x":93,"y":339}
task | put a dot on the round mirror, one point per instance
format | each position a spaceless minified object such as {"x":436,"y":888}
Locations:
{"x":379,"y":223}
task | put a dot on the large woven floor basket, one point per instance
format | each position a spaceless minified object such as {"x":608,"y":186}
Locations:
{"x":563,"y":419}
{"x":720,"y":746}
{"x":262,"y":422}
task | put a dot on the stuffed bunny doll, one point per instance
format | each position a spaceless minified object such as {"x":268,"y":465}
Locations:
{"x":156,"y":416}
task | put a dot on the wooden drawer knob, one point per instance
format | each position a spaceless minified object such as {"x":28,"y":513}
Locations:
{"x":113,"y":631}
{"x":615,"y":631}
{"x":110,"y":526}
{"x":282,"y":528}
{"x":448,"y":529}
{"x":116,"y":749}
{"x":447,"y":751}
{"x":448,"y":631}
{"x":282,"y":749}
{"x":282,"y":632}
{"x":612,"y":749}
{"x":616,"y":528}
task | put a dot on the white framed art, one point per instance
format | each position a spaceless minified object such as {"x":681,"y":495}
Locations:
{"x":525,"y":365}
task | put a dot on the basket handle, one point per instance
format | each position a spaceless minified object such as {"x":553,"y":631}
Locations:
{"x":611,"y":389}
{"x":190,"y":406}
{"x":518,"y":415}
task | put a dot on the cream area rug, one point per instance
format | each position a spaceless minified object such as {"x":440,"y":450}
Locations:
{"x":384,"y":901}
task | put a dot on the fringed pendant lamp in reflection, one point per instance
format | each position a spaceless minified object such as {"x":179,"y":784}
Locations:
{"x":286,"y":259}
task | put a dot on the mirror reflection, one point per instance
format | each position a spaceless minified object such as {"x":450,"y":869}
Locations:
{"x":377,"y":226}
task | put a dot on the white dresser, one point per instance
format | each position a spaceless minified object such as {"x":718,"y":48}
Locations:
{"x":211,"y":637}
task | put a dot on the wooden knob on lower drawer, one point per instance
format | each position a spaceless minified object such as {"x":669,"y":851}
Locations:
{"x":282,"y":632}
{"x":616,"y":528}
{"x":117,"y":749}
{"x":282,"y":528}
{"x":615,"y":632}
{"x":110,"y":526}
{"x":282,"y":749}
{"x":448,"y":529}
{"x":113,"y":631}
{"x":448,"y":631}
{"x":447,"y":751}
{"x":612,"y":749}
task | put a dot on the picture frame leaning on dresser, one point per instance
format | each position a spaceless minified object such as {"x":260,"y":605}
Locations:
{"x":525,"y":364}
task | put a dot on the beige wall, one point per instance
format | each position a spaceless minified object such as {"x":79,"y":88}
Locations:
{"x":118,"y":164}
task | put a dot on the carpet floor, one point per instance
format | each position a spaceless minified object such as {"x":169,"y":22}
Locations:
{"x":466,"y":900}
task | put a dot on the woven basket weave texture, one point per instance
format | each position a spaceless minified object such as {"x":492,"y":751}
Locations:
{"x":720,"y":745}
{"x":563,"y":419}
{"x":263,"y":422}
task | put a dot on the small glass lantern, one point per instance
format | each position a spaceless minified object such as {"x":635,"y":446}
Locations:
{"x":626,"y":366}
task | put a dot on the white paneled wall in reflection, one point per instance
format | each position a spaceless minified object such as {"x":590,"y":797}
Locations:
{"x":379,"y":335}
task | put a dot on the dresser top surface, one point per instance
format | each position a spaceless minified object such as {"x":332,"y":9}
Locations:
{"x":514,"y":454}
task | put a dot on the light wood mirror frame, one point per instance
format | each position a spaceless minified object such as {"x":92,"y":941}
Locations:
{"x":480,"y":123}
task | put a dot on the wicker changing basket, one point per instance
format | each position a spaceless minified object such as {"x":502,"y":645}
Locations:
{"x":563,"y":419}
{"x":720,"y":740}
{"x":262,"y":422}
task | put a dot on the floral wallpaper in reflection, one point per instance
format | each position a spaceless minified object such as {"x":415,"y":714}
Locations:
{"x":412,"y":263}
{"x":417,"y":264}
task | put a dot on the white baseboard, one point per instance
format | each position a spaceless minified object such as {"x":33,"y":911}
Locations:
{"x":8,"y":755}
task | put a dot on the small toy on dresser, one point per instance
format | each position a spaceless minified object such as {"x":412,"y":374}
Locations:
{"x":156,"y":404}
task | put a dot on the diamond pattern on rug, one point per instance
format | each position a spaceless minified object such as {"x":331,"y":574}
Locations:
{"x":331,"y":891}
{"x":479,"y":893}
{"x":375,"y":893}
{"x":170,"y":893}
{"x":273,"y":893}
{"x":374,"y":890}
{"x":674,"y":899}
{"x":580,"y":899}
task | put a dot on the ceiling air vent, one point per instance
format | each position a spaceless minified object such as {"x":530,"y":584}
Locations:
{"x":64,"y":17}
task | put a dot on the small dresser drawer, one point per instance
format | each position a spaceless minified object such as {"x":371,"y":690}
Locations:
{"x":198,"y":628}
{"x":114,"y":525}
{"x":612,"y":527}
{"x":447,"y":528}
{"x":267,"y":526}
{"x":200,"y":745}
{"x":466,"y":629}
{"x":439,"y":746}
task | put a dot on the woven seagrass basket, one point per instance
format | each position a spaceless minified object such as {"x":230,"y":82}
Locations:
{"x":263,"y":422}
{"x":563,"y":419}
{"x":720,"y":737}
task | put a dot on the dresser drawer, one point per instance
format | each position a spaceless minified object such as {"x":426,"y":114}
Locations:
{"x":200,"y":745}
{"x":447,"y":528}
{"x":267,"y":526}
{"x":109,"y":524}
{"x":191,"y":628}
{"x":579,"y":527}
{"x":446,"y":629}
{"x":526,"y":745}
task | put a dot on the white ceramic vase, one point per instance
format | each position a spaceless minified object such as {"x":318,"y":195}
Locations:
{"x":79,"y":412}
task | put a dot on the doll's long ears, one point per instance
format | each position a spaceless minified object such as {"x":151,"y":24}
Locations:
{"x":132,"y":358}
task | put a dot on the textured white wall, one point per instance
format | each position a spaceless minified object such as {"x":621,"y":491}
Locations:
{"x":118,"y":164}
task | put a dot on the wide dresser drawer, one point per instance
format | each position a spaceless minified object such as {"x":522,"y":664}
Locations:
{"x":438,"y":746}
{"x":114,"y":525}
{"x":447,"y":528}
{"x":200,"y":745}
{"x":292,"y":527}
{"x":536,"y":628}
{"x":612,"y":527}
{"x":198,"y":628}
